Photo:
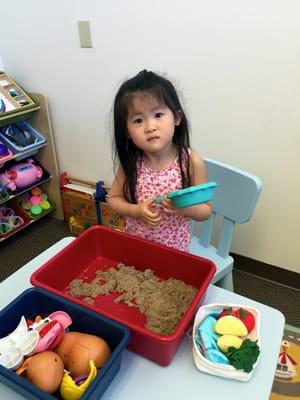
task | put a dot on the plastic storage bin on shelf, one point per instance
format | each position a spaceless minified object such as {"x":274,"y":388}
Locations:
{"x":12,"y":219}
{"x":34,"y":203}
{"x":34,"y":302}
{"x":101,"y":248}
{"x":22,"y":137}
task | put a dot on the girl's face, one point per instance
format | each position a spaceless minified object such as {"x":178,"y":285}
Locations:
{"x":150,"y":124}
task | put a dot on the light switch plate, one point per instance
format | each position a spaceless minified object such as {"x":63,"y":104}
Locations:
{"x":85,"y":34}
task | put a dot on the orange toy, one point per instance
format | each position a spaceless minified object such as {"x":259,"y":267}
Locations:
{"x":78,"y":349}
{"x":45,"y":370}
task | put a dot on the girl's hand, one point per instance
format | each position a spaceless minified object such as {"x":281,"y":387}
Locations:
{"x":149,"y":217}
{"x":169,"y":207}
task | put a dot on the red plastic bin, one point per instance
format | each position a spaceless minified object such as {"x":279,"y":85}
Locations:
{"x":101,"y":248}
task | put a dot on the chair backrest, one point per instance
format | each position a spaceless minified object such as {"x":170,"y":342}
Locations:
{"x":235,"y":199}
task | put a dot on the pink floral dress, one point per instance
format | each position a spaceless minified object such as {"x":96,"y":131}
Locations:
{"x":173,"y":230}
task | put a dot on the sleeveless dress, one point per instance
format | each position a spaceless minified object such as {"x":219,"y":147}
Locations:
{"x":173,"y":230}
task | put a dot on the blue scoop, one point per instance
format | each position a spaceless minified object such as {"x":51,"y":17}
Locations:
{"x":192,"y":195}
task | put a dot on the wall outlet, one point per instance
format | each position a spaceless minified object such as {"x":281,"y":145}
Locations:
{"x":85,"y":34}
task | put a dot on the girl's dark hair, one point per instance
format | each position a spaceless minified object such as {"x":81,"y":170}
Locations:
{"x":124,"y":149}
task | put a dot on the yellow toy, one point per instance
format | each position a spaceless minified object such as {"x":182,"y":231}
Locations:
{"x":69,"y":390}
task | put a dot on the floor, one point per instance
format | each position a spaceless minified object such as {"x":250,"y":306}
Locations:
{"x":27,"y":244}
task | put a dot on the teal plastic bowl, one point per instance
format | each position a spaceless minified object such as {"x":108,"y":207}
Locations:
{"x":192,"y":195}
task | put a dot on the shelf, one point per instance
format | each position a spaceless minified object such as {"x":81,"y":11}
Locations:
{"x":23,"y":153}
{"x":26,"y":189}
{"x":39,"y":119}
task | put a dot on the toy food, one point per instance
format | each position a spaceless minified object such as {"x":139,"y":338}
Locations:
{"x":45,"y":370}
{"x":230,"y":325}
{"x":78,"y":349}
{"x":226,"y":340}
{"x":244,"y":315}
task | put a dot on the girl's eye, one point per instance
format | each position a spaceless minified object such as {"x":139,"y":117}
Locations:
{"x":159,"y":114}
{"x":138,"y":121}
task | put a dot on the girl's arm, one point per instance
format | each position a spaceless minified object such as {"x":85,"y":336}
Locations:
{"x":198,"y":175}
{"x":122,"y":206}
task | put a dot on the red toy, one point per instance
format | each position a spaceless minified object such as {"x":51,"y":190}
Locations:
{"x":245,"y":316}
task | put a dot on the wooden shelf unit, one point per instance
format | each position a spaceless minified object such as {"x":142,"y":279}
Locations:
{"x":40,"y":120}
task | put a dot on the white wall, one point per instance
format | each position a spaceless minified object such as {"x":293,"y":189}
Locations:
{"x":236,"y":64}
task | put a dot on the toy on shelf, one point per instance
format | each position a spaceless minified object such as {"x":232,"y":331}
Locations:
{"x":22,"y":138}
{"x":5,"y":154}
{"x":34,"y":203}
{"x":3,"y":193}
{"x":9,"y":221}
{"x":21,"y":175}
{"x":84,"y":204}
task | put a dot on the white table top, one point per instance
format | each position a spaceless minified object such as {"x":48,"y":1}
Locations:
{"x":142,"y":379}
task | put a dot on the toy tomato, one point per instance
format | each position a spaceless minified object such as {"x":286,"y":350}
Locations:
{"x":245,"y":316}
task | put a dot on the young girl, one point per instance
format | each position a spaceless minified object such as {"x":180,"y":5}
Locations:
{"x":152,"y":146}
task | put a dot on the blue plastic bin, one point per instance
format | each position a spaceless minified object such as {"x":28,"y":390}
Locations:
{"x":30,"y":149}
{"x":34,"y":302}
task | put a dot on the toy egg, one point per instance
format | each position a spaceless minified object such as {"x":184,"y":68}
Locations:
{"x":45,"y":371}
{"x":78,"y":349}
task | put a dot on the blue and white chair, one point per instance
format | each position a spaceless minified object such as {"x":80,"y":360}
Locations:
{"x":235,"y":199}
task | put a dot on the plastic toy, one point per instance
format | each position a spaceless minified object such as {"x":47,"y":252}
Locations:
{"x":5,"y":154}
{"x":190,"y":196}
{"x":2,"y":106}
{"x":81,"y":354}
{"x":73,"y":389}
{"x":8,"y":220}
{"x":78,"y":349}
{"x":45,"y":370}
{"x":18,"y":344}
{"x":20,"y":137}
{"x":32,"y":337}
{"x":34,"y":202}
{"x":3,"y":150}
{"x":3,"y":193}
{"x":21,"y":175}
{"x":51,"y":330}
